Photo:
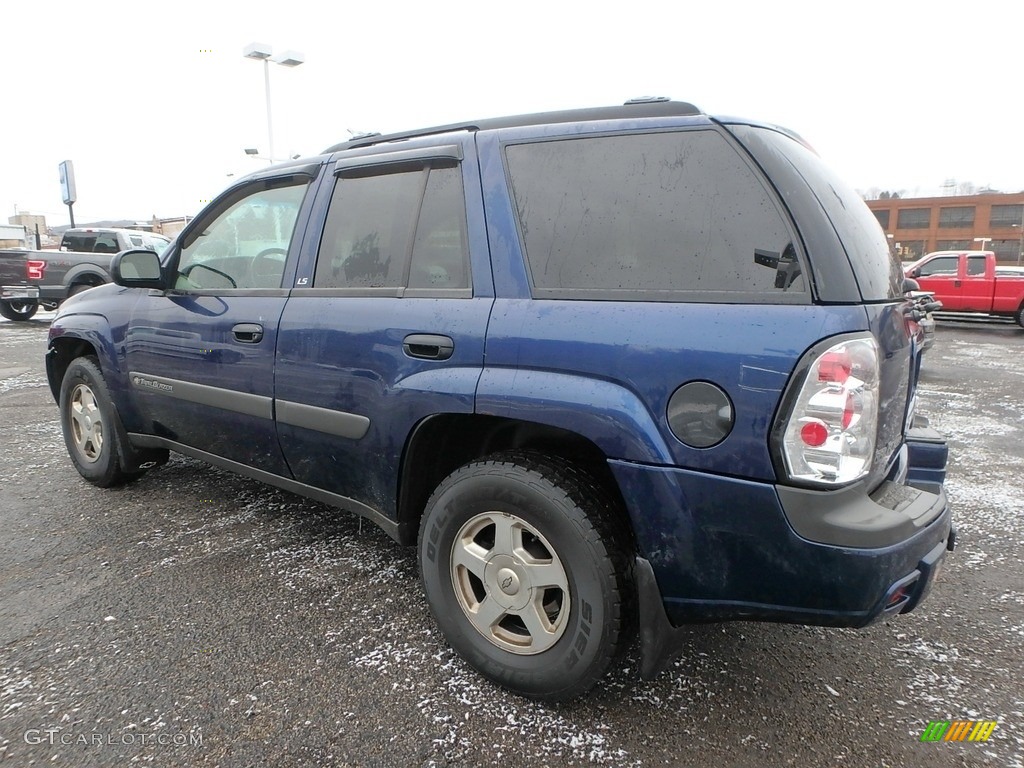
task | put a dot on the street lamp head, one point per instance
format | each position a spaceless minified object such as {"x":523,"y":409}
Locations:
{"x":290,"y":59}
{"x":259,"y":51}
{"x":251,"y":151}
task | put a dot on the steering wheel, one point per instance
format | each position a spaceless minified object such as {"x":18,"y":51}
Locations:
{"x":271,"y":268}
{"x":188,"y":270}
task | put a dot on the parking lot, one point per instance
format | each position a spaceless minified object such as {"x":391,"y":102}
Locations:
{"x":198,"y":618}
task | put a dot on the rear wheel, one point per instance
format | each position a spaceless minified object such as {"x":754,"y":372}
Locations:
{"x":79,"y":288}
{"x":18,"y":310}
{"x":1020,"y":316}
{"x":525,"y":572}
{"x":87,"y":419}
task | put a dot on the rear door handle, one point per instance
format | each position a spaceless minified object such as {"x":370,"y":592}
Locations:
{"x":248,"y":333}
{"x":428,"y":346}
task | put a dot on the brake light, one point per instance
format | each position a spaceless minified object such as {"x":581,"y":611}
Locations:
{"x":35,"y":269}
{"x":835,"y":366}
{"x":829,"y":435}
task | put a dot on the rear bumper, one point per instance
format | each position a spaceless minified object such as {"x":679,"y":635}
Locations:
{"x":717,"y":549}
{"x":661,"y":641}
{"x":19,"y":292}
{"x":55,"y":293}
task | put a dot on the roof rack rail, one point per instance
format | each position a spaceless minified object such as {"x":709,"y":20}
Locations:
{"x":658,"y":106}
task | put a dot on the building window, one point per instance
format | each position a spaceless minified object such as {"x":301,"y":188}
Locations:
{"x":883,"y":218}
{"x":911,"y":250}
{"x":1006,"y":250}
{"x":958,"y":218}
{"x":953,"y":245}
{"x":913,"y":218}
{"x":1006,"y":215}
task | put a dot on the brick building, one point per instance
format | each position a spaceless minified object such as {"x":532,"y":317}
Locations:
{"x":919,"y":225}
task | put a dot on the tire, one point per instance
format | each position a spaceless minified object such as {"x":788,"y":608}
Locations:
{"x":525,"y":570}
{"x":18,"y":310}
{"x":1020,"y":316}
{"x":77,"y":288}
{"x":87,"y":419}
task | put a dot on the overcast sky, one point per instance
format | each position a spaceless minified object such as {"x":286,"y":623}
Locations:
{"x":154,"y":103}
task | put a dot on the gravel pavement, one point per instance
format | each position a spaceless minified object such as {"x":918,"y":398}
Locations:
{"x":198,"y":618}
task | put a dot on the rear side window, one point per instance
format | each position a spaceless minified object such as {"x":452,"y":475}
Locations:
{"x":976,"y":265}
{"x":878,"y":273}
{"x":659,"y":216}
{"x":393,"y":228}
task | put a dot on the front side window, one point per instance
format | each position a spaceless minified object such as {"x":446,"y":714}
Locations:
{"x":941,"y":265}
{"x":245,"y":242}
{"x":661,"y":216}
{"x":394,"y":229}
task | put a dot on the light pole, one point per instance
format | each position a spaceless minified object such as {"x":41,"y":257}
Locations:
{"x":1020,"y":249}
{"x":263,"y":52}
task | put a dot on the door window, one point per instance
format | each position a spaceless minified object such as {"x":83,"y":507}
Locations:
{"x":244,"y":242}
{"x":942,"y":265}
{"x":396,"y":229}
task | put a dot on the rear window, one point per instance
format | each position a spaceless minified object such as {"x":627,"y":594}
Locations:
{"x":663,"y":216}
{"x":79,"y":241}
{"x":877,"y":271}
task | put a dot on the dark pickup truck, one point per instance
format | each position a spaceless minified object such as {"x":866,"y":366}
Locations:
{"x":30,"y":280}
{"x":611,"y":371}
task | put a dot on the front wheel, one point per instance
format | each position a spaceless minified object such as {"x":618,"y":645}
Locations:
{"x":18,"y":310}
{"x":526,"y":573}
{"x":1020,"y":316}
{"x":87,"y":419}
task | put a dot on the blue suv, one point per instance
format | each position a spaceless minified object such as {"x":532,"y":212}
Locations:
{"x":611,"y":371}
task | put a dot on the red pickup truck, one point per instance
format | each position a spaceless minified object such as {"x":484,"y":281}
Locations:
{"x":970,"y":281}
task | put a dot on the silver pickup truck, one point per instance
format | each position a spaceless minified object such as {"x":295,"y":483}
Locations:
{"x":33,"y":279}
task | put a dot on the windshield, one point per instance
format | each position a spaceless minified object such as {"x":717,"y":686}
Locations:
{"x":158,"y":244}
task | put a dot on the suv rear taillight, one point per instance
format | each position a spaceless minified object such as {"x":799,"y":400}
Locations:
{"x":830,"y":428}
{"x":35,"y":269}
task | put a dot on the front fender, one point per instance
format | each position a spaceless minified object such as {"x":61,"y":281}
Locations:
{"x":608,"y":415}
{"x":75,"y":330}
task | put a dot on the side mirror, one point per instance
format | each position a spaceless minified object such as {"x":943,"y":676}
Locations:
{"x":916,"y":273}
{"x":137,"y":269}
